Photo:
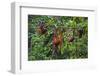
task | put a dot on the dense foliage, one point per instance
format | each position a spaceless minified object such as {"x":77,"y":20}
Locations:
{"x":57,"y":37}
